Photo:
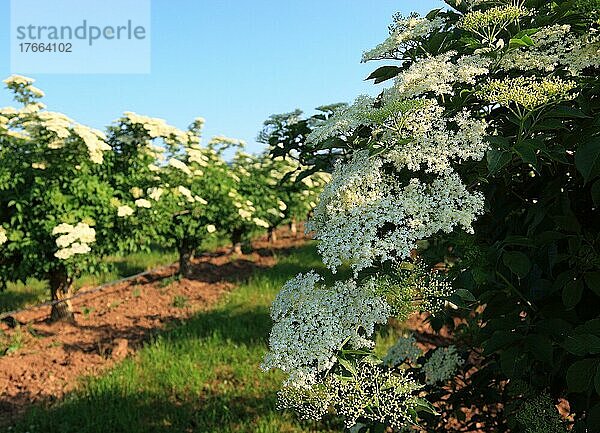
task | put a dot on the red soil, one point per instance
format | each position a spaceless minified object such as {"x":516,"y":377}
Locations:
{"x":114,"y":322}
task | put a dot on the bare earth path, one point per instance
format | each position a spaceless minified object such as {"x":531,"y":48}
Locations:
{"x":113,"y":323}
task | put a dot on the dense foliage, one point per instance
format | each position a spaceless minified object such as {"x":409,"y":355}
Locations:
{"x":71,"y":195}
{"x":474,"y":178}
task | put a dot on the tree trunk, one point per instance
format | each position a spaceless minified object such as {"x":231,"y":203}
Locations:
{"x":236,"y":242}
{"x":186,"y":254}
{"x":293,"y":227}
{"x":272,"y":235}
{"x":61,"y":288}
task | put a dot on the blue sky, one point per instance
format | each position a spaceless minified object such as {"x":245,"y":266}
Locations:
{"x":233,"y":62}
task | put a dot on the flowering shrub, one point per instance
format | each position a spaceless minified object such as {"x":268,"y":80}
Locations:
{"x":481,"y":154}
{"x":55,"y":213}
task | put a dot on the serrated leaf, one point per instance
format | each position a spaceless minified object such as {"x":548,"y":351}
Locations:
{"x":582,"y":344}
{"x":517,"y":262}
{"x":496,"y":159}
{"x":587,"y":159}
{"x":527,"y":152}
{"x":580,"y":375}
{"x":571,"y":293}
{"x":540,"y":347}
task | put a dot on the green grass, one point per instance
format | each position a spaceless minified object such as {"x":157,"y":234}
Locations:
{"x":33,"y":291}
{"x":200,"y":376}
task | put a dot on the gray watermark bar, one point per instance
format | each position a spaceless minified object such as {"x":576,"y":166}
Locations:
{"x":80,"y":36}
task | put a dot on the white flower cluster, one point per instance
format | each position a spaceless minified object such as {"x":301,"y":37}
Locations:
{"x":124,"y":211}
{"x":155,"y":193}
{"x":313,"y":321}
{"x":438,"y":74}
{"x":376,"y":394}
{"x":308,"y":402}
{"x":180,"y":165}
{"x":157,"y":128}
{"x":227,"y":141}
{"x":345,"y":120}
{"x":73,"y":239}
{"x":24,"y":84}
{"x":405,"y":350}
{"x":94,"y":140}
{"x":364,"y":215}
{"x":530,"y":93}
{"x":442,"y":365}
{"x":18,"y":80}
{"x":489,"y":22}
{"x":64,"y":127}
{"x":426,"y":139}
{"x":556,"y":46}
{"x":142,"y":202}
{"x":538,"y":414}
{"x":405,"y":33}
{"x":3,"y":237}
{"x":372,"y":393}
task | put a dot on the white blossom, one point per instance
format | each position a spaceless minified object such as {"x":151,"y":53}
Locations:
{"x":361,"y":200}
{"x":142,"y":202}
{"x":73,"y":239}
{"x":180,"y":166}
{"x":442,"y":364}
{"x":313,"y":321}
{"x":124,"y":211}
{"x":405,"y":350}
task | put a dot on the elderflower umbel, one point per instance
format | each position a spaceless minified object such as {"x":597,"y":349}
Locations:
{"x":313,"y":321}
{"x":376,"y":394}
{"x":404,"y":33}
{"x":3,"y":237}
{"x":361,"y":200}
{"x":180,"y":166}
{"x":73,"y":240}
{"x":124,"y":211}
{"x":308,"y":402}
{"x":442,"y":365}
{"x":539,"y":415}
{"x":405,"y":350}
{"x":261,"y":223}
{"x":528,"y":92}
{"x":142,"y":202}
{"x":487,"y":22}
{"x":439,"y":73}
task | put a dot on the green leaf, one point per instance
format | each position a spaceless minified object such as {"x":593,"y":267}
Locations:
{"x":527,"y":151}
{"x":511,"y":361}
{"x":580,"y":375}
{"x":496,"y":159}
{"x":517,"y":262}
{"x":587,"y":159}
{"x":466,"y":295}
{"x":582,"y":344}
{"x":571,"y":293}
{"x":384,"y":73}
{"x":592,"y":280}
{"x":597,"y":381}
{"x":540,"y":346}
{"x":564,"y":111}
{"x":500,"y":339}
